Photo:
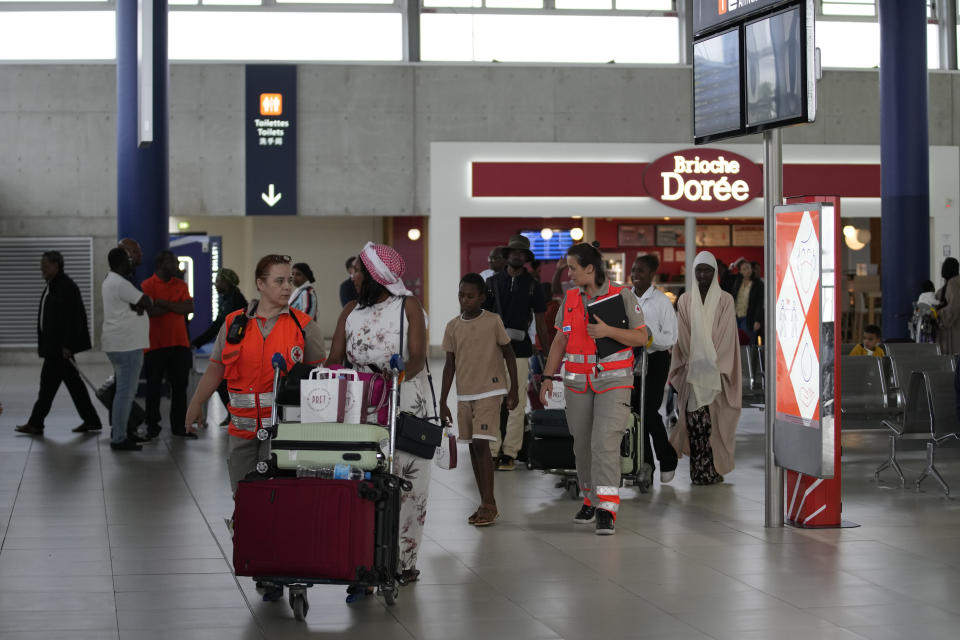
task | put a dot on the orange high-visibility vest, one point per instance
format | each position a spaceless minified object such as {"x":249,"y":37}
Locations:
{"x":248,"y":369}
{"x":580,"y":358}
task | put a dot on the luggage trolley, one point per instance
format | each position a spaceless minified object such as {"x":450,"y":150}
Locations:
{"x":381,"y":487}
{"x":633,"y":468}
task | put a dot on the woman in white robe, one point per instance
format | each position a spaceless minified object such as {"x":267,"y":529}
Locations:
{"x":705,"y":371}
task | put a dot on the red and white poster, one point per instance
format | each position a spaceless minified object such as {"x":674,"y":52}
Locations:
{"x":798,"y":315}
{"x":805,"y":330}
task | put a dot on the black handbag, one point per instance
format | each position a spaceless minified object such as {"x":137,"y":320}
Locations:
{"x":416,"y":435}
{"x":289,"y":391}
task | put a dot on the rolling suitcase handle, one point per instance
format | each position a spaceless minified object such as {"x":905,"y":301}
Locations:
{"x":82,"y":374}
{"x":265,"y":433}
{"x":396,"y":369}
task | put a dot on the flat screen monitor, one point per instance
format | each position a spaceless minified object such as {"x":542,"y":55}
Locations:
{"x":552,"y":249}
{"x":716,"y":86}
{"x":775,"y":78}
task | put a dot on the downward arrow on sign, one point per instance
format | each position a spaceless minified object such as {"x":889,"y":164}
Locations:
{"x":270,"y":198}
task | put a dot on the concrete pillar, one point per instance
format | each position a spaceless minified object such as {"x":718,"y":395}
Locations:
{"x":905,"y":157}
{"x":143,"y":184}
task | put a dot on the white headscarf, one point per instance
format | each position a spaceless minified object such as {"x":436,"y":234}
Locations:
{"x":703,"y":374}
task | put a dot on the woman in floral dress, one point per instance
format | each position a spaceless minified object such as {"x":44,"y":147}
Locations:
{"x":367,"y":334}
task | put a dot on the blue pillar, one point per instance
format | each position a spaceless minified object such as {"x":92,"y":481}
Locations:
{"x":143,"y":183}
{"x":905,"y":158}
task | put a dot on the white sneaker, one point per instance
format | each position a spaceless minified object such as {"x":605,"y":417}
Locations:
{"x":667,"y":476}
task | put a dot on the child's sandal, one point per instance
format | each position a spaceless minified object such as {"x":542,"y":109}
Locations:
{"x":486,"y":516}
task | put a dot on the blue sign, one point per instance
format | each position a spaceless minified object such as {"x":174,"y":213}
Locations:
{"x":271,"y":137}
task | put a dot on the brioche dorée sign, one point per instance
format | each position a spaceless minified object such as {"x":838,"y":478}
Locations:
{"x":703,"y":180}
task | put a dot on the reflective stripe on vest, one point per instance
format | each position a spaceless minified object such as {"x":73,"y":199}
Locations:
{"x":246,"y":424}
{"x":249,"y":400}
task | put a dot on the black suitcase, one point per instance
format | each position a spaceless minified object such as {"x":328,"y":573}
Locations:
{"x":548,"y":442}
{"x":105,"y":392}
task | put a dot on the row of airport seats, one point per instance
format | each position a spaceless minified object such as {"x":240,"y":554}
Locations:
{"x":910,"y":393}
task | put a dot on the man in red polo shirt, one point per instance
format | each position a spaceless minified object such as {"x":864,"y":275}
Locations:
{"x":169,"y":354}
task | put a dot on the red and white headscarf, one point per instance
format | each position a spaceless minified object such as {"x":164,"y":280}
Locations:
{"x":386,"y":266}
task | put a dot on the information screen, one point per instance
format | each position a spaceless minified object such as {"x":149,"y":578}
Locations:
{"x":774,"y":55}
{"x":552,"y":249}
{"x":716,"y":84}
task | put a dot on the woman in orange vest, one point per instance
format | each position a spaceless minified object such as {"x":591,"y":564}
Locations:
{"x":597,"y":386}
{"x":243,"y":356}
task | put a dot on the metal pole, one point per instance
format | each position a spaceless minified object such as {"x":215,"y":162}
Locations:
{"x":685,"y":20}
{"x":690,"y":249}
{"x":947,"y":31}
{"x":411,"y":30}
{"x":772,"y":196}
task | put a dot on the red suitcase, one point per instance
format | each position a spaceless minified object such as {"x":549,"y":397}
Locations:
{"x":303,"y":528}
{"x":298,"y":532}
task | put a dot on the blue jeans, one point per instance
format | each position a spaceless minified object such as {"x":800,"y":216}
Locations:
{"x":126,"y":374}
{"x":742,"y":324}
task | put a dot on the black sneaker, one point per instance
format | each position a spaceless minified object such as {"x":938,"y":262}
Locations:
{"x":153,"y":430}
{"x":88,"y":428}
{"x":605,"y":525}
{"x":125,"y":445}
{"x":273,"y":592}
{"x":586,"y":515}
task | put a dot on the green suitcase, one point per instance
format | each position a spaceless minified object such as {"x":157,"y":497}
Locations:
{"x":330,"y":443}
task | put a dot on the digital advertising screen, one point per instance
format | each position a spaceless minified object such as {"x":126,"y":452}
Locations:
{"x":774,"y":63}
{"x":716,"y":84}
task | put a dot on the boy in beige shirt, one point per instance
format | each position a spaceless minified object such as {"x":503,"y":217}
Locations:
{"x":477,"y":345}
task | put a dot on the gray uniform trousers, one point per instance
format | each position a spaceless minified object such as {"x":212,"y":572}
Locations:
{"x":597,"y":422}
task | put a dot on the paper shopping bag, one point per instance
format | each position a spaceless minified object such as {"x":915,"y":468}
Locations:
{"x":355,"y":401}
{"x":556,"y":398}
{"x":323,"y":396}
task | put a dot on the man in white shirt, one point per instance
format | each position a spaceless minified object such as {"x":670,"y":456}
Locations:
{"x":125,"y":335}
{"x":661,"y":320}
{"x":497,"y":261}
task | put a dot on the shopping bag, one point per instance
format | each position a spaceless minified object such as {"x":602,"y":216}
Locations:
{"x":556,"y":398}
{"x":446,"y":456}
{"x":323,"y":397}
{"x":376,"y":396}
{"x":354,"y":409}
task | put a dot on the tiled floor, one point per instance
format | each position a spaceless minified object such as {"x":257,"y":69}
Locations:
{"x":98,"y":544}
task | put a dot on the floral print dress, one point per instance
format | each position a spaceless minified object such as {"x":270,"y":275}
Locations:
{"x":373,"y":335}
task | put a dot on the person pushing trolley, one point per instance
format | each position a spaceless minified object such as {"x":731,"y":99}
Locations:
{"x":598,"y":362}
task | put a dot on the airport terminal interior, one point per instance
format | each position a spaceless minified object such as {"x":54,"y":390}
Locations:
{"x":446,"y":129}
